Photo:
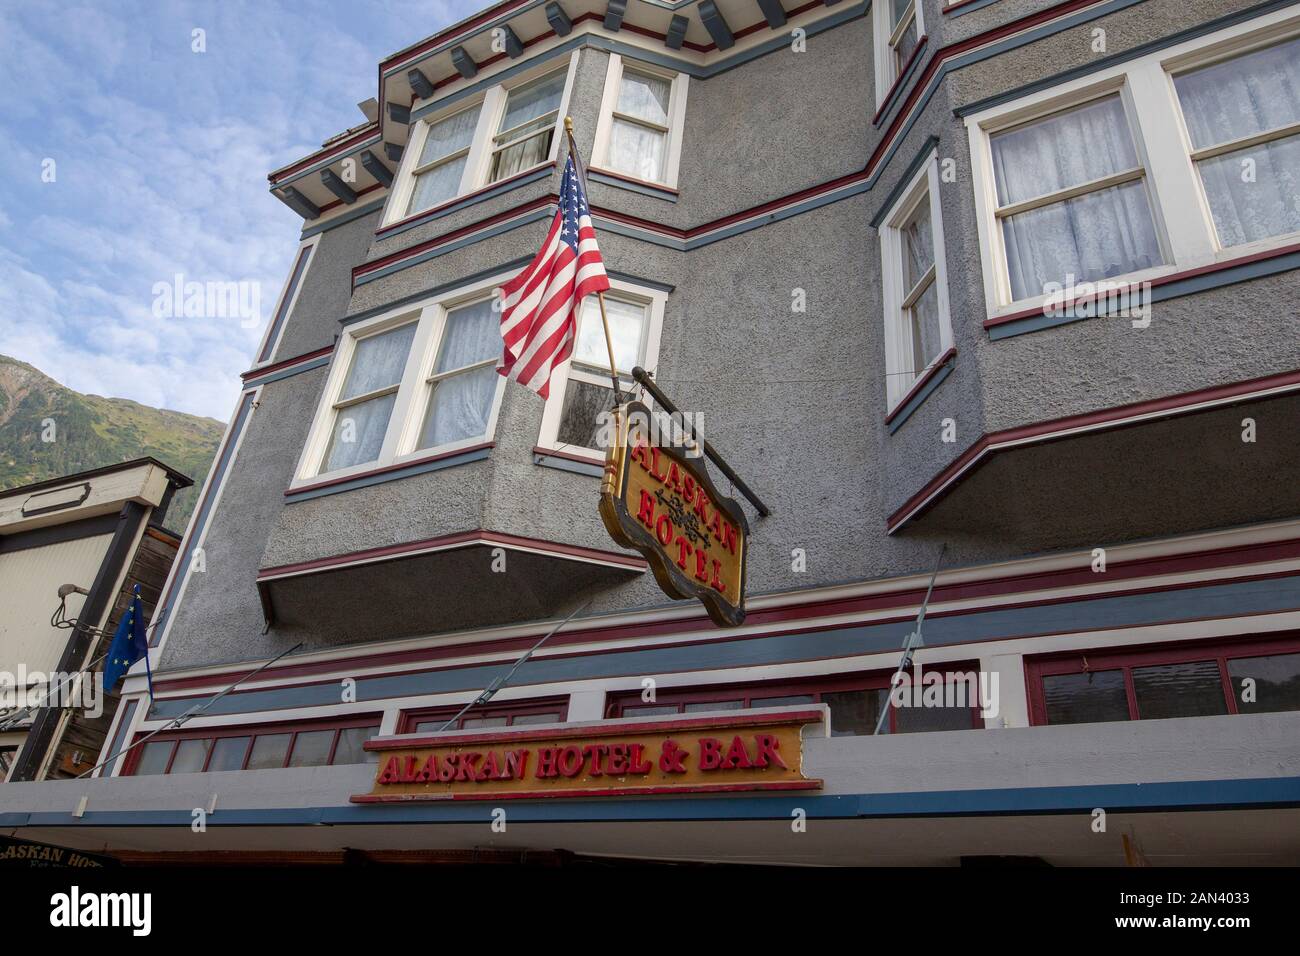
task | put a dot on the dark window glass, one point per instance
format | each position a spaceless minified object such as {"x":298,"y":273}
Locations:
{"x":153,"y":757}
{"x":1277,"y":682}
{"x":228,"y":754}
{"x":477,"y":723}
{"x":312,"y":749}
{"x":1085,"y":698}
{"x":190,"y":755}
{"x":349,"y":749}
{"x":583,"y":403}
{"x":1191,"y":689}
{"x":703,"y":706}
{"x":551,"y":718}
{"x":7,"y":755}
{"x":432,"y":726}
{"x":916,"y":720}
{"x":854,"y":712}
{"x":648,"y":710}
{"x":269,"y":750}
{"x":782,"y":701}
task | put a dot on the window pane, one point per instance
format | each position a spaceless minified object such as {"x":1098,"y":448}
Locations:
{"x":648,"y":710}
{"x":350,"y":750}
{"x":153,"y":757}
{"x":359,"y":432}
{"x":269,"y":750}
{"x":645,"y":97}
{"x":637,"y":150}
{"x":906,"y":45}
{"x":449,"y":135}
{"x":1254,"y":193}
{"x":782,"y":701}
{"x":1085,"y":698}
{"x":707,"y":705}
{"x":378,"y":361}
{"x":1241,"y":97}
{"x":312,"y":749}
{"x":924,"y":320}
{"x":1277,"y":682}
{"x":626,"y":326}
{"x":190,"y":755}
{"x":476,"y":723}
{"x":1192,"y":689}
{"x":522,"y":719}
{"x":228,"y":754}
{"x":854,"y":712}
{"x":1094,"y":236}
{"x":899,"y":7}
{"x":918,"y":244}
{"x":473,"y":334}
{"x":459,"y":407}
{"x":1063,"y":150}
{"x":915,"y":720}
{"x":522,"y":156}
{"x":583,"y":405}
{"x":431,"y":726}
{"x":437,"y":185}
{"x":533,"y":100}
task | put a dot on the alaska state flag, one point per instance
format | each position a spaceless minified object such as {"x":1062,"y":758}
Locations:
{"x":130,"y":643}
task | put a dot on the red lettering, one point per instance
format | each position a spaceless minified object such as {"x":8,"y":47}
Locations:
{"x":674,"y":476}
{"x":639,"y":455}
{"x":595,"y":753}
{"x":392,"y":771}
{"x":516,"y":765}
{"x":429,"y":771}
{"x":767,"y":751}
{"x":702,"y":507}
{"x":737,"y":758}
{"x":637,"y":762}
{"x":702,"y":567}
{"x":664,"y":530}
{"x":490,"y":770}
{"x":570,"y":761}
{"x":688,"y":486}
{"x":729,"y":537}
{"x":617,"y":760}
{"x":717,"y":582}
{"x":654,"y":464}
{"x":466,"y":769}
{"x":546,"y":758}
{"x":683,"y":551}
{"x":408,"y":771}
{"x":710,"y":753}
{"x":646,"y":513}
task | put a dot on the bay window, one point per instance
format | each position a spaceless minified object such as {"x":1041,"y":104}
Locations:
{"x":405,"y":386}
{"x":640,"y":128}
{"x":527,"y":126}
{"x":444,"y":156}
{"x":1167,"y":163}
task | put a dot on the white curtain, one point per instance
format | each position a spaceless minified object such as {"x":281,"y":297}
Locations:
{"x":523,"y":155}
{"x":359,"y":429}
{"x":645,"y":97}
{"x":378,"y":361}
{"x":459,"y":404}
{"x":444,"y":138}
{"x":626,"y":326}
{"x":637,"y":150}
{"x":1254,"y":193}
{"x":1104,"y":233}
{"x":437,"y":185}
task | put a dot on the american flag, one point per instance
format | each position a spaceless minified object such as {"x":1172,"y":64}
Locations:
{"x":540,"y":305}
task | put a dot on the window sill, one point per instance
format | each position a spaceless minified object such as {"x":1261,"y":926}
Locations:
{"x":926,"y":383}
{"x":402,"y":469}
{"x":458,"y":203}
{"x":904,"y":75}
{"x":568,"y":461}
{"x":1168,"y":284}
{"x":959,"y":7}
{"x":645,"y":187}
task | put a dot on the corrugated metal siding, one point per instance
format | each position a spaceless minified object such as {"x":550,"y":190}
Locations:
{"x":29,"y":583}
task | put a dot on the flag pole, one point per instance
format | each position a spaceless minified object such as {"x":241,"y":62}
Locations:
{"x":600,"y":296}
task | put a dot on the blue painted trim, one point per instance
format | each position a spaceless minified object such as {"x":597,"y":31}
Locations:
{"x":970,"y":8}
{"x":1180,"y":795}
{"x":565,"y":464}
{"x":1236,"y":598}
{"x":301,"y":264}
{"x":1182,"y":36}
{"x":644,"y":189}
{"x":289,"y":372}
{"x":365,"y":481}
{"x":640,"y":280}
{"x":349,"y":216}
{"x":546,"y":212}
{"x":490,"y":193}
{"x":895,"y":94}
{"x":916,"y":400}
{"x":1161,"y":293}
{"x":891,"y":199}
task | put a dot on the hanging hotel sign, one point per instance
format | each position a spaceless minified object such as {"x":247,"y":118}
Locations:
{"x":659,"y":500}
{"x":734,"y":752}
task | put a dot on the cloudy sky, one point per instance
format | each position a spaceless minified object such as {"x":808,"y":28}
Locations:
{"x":160,"y":156}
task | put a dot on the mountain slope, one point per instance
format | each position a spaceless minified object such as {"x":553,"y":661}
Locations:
{"x":91,"y":431}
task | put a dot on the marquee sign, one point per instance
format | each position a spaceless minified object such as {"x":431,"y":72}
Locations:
{"x":660,"y":501}
{"x":733,"y":752}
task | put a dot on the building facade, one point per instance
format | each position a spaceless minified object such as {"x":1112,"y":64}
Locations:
{"x":1015,"y":280}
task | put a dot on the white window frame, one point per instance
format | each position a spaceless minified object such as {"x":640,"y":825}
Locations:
{"x":886,"y":76}
{"x":491,"y":104}
{"x":655,"y":301}
{"x":898,"y":341}
{"x":402,"y":438}
{"x":676,"y":118}
{"x":1180,"y":212}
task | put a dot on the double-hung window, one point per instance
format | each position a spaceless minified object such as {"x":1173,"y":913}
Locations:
{"x":415,"y":383}
{"x":485,"y":136}
{"x":639,"y":133}
{"x":915,"y":290}
{"x":581,"y":389}
{"x":1243,"y":119}
{"x":1173,"y":161}
{"x":898,"y":30}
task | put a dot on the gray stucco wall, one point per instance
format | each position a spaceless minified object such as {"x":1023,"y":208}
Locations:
{"x":795,"y":400}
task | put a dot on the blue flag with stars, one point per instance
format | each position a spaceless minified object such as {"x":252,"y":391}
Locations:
{"x":130,"y":643}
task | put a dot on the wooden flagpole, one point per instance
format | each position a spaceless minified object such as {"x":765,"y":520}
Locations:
{"x":600,"y":296}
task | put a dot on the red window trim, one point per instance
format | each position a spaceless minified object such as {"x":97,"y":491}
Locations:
{"x":407,"y":720}
{"x":250,"y":731}
{"x":781,"y":687}
{"x":1149,"y":655}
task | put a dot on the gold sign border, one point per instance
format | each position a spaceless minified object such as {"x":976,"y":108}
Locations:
{"x":627,"y":531}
